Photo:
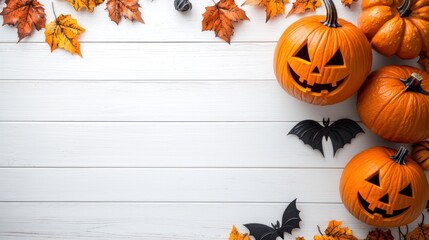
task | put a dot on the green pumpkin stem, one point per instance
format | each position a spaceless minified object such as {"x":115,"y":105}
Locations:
{"x":400,"y":156}
{"x":331,"y":15}
{"x":413,"y":84}
{"x":404,"y":10}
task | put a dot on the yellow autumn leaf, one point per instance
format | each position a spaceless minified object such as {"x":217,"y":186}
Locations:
{"x":63,"y":33}
{"x":88,"y":4}
{"x":420,"y":233}
{"x":334,"y":231}
{"x":235,"y":235}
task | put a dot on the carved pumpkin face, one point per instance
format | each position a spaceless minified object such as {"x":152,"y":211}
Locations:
{"x":384,"y":189}
{"x":322,"y":62}
{"x":309,"y":73}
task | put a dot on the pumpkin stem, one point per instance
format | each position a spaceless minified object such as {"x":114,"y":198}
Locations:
{"x":404,"y":9}
{"x":400,"y":156}
{"x":331,"y":15}
{"x":413,"y":83}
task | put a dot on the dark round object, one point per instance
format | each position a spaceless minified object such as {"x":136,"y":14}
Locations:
{"x":182,"y":5}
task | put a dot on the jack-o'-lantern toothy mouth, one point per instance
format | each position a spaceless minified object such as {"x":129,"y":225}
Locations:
{"x":316,"y":87}
{"x":379,"y":211}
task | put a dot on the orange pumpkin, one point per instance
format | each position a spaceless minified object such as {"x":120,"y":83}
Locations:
{"x":394,"y":103}
{"x":322,"y":61}
{"x":421,"y":154}
{"x":384,"y":188}
{"x":396,"y":29}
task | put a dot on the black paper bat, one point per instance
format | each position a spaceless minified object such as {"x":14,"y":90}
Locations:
{"x":290,"y":221}
{"x":340,"y":132}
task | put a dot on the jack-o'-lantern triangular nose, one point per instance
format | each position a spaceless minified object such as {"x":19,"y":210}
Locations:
{"x":316,"y":70}
{"x":385,"y":199}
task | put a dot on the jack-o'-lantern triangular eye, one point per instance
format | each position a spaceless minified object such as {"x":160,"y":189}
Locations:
{"x":303,"y":53}
{"x":375,"y":179}
{"x":407,"y":191}
{"x":336,"y":60}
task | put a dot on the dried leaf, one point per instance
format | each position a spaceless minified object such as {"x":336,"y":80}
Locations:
{"x":379,"y":234}
{"x":299,"y":238}
{"x":219,"y":18}
{"x":63,"y":33}
{"x":334,"y":231}
{"x":25,"y":14}
{"x":88,"y":4}
{"x":348,"y":3}
{"x":424,"y":61}
{"x":124,"y":8}
{"x":300,"y":6}
{"x":420,"y":233}
{"x":235,"y":235}
{"x":273,"y":7}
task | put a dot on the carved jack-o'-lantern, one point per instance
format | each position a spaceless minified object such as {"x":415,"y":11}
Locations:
{"x":383,"y":188}
{"x":322,"y":61}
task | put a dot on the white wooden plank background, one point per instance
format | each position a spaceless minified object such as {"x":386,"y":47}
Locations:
{"x":161,"y":131}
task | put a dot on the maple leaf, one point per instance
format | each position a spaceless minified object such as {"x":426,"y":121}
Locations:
{"x":219,"y":18}
{"x":420,"y":233}
{"x":235,"y":235}
{"x":300,"y":6}
{"x":25,"y":14}
{"x":299,"y":238}
{"x":424,"y":61}
{"x":63,"y":33}
{"x":348,"y":3}
{"x":334,"y":231}
{"x":379,"y":234}
{"x":124,"y":8}
{"x":272,"y":7}
{"x":88,"y":4}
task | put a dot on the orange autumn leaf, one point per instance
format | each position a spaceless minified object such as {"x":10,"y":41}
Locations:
{"x":88,"y":4}
{"x":235,"y":235}
{"x":420,"y":233}
{"x":63,"y":33}
{"x":334,"y":231}
{"x":219,"y":18}
{"x":124,"y":8}
{"x":272,"y":7}
{"x":300,"y":6}
{"x":379,"y":234}
{"x":299,"y":238}
{"x":424,"y":61}
{"x":24,"y":14}
{"x":348,"y":3}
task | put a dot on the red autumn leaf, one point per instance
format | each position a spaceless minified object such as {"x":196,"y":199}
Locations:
{"x":300,"y":6}
{"x":348,"y":3}
{"x":219,"y":18}
{"x":24,"y":14}
{"x":424,"y":61}
{"x":124,"y":8}
{"x":379,"y":234}
{"x":272,"y":7}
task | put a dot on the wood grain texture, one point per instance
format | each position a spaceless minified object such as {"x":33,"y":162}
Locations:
{"x":154,"y":144}
{"x":158,"y":101}
{"x":146,"y":61}
{"x":156,"y":221}
{"x":169,"y":184}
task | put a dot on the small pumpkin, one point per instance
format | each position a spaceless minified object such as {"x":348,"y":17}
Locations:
{"x":322,"y":60}
{"x":396,"y":29}
{"x":394,"y":103}
{"x":384,"y":187}
{"x":421,"y":154}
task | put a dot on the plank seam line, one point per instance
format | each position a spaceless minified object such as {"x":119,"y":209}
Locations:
{"x":169,"y":167}
{"x":174,"y":202}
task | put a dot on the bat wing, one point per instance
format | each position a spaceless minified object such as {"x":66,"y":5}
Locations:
{"x":261,"y":231}
{"x":290,"y":218}
{"x":310,"y":132}
{"x":342,"y":132}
